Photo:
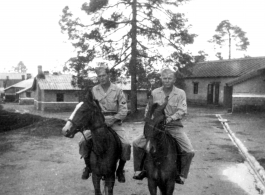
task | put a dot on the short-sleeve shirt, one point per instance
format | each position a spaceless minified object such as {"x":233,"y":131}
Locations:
{"x":176,"y":107}
{"x":113,"y":100}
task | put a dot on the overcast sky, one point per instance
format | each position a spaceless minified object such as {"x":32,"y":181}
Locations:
{"x":30,"y":31}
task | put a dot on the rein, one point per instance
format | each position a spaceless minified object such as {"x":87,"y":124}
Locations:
{"x":82,"y":129}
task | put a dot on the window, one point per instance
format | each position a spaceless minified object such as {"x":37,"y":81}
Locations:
{"x":28,"y":94}
{"x":60,"y":97}
{"x":195,"y":88}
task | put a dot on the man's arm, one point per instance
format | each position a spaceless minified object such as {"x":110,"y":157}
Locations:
{"x":122,"y":106}
{"x":181,"y":107}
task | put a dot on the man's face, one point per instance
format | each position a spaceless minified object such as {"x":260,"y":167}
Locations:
{"x":152,"y":81}
{"x":168,"y":79}
{"x":103,"y":77}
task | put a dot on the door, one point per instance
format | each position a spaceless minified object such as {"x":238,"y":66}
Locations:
{"x":216,"y":93}
{"x":210,"y":94}
{"x":228,"y":99}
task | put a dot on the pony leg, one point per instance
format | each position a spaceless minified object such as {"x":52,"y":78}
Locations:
{"x":109,"y":184}
{"x":96,"y":183}
{"x":152,"y":186}
{"x":170,"y":187}
{"x":167,"y":188}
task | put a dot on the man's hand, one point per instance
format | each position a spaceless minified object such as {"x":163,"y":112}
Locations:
{"x":110,"y":121}
{"x":168,"y":120}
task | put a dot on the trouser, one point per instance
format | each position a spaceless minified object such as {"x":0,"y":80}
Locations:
{"x":186,"y":151}
{"x":125,"y":144}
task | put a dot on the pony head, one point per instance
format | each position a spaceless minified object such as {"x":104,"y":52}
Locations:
{"x":87,"y":115}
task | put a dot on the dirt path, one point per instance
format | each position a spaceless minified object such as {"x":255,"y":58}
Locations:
{"x":33,"y":165}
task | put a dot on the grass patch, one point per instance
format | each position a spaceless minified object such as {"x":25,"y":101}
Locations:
{"x":46,"y":128}
{"x":33,"y":124}
{"x":11,"y":120}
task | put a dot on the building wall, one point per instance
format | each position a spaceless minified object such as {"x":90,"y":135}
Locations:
{"x":201,"y":97}
{"x":141,"y":96}
{"x":24,"y":100}
{"x":10,"y":94}
{"x":49,"y":102}
{"x":38,"y":98}
{"x":249,"y":95}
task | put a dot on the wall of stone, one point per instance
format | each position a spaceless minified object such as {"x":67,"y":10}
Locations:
{"x":249,"y":104}
{"x":26,"y":101}
{"x":201,"y":97}
{"x":50,"y":101}
{"x":249,"y":95}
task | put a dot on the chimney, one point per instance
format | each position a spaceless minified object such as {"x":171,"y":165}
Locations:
{"x":28,"y":76}
{"x":40,"y":70}
{"x":40,"y":73}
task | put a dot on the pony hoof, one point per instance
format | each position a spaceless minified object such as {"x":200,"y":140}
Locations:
{"x":120,"y":176}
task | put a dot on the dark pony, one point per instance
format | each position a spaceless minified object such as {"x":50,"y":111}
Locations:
{"x":106,"y":145}
{"x":161,"y":150}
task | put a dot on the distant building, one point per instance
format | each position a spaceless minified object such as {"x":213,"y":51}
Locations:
{"x":125,"y":85}
{"x":13,"y":92}
{"x":54,"y":92}
{"x":228,"y":82}
{"x":8,"y":79}
{"x":248,"y":91}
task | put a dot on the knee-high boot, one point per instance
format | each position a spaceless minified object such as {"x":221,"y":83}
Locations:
{"x":87,"y":169}
{"x":139,"y":159}
{"x":183,"y":166}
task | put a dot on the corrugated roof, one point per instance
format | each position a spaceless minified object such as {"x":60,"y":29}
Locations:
{"x":16,"y":76}
{"x":227,"y":68}
{"x":56,"y":82}
{"x":22,"y":84}
{"x":247,"y":76}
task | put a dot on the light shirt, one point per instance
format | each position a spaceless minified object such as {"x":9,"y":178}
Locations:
{"x":113,"y":100}
{"x":176,"y":107}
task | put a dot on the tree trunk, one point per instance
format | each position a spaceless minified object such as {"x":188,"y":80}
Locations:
{"x":229,"y":45}
{"x":133,"y":60}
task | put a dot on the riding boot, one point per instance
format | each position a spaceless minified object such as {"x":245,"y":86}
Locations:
{"x":120,"y":171}
{"x":87,"y":169}
{"x":143,"y":173}
{"x":183,"y":166}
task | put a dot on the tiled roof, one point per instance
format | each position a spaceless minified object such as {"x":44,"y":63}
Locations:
{"x":23,"y":84}
{"x":247,"y":76}
{"x":11,"y":76}
{"x":227,"y":68}
{"x":56,"y":82}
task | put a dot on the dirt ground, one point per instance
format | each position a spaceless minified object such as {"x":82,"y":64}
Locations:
{"x":34,"y":164}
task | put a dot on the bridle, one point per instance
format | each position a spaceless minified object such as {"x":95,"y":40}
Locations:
{"x":81,"y":130}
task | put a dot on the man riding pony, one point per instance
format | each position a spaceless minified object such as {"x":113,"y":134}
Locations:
{"x":114,"y":108}
{"x":175,"y":109}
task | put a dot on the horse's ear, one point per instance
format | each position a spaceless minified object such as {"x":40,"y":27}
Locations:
{"x":97,"y":104}
{"x":89,"y":96}
{"x":150,"y":105}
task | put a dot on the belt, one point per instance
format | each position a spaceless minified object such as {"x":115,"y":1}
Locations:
{"x":109,"y":113}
